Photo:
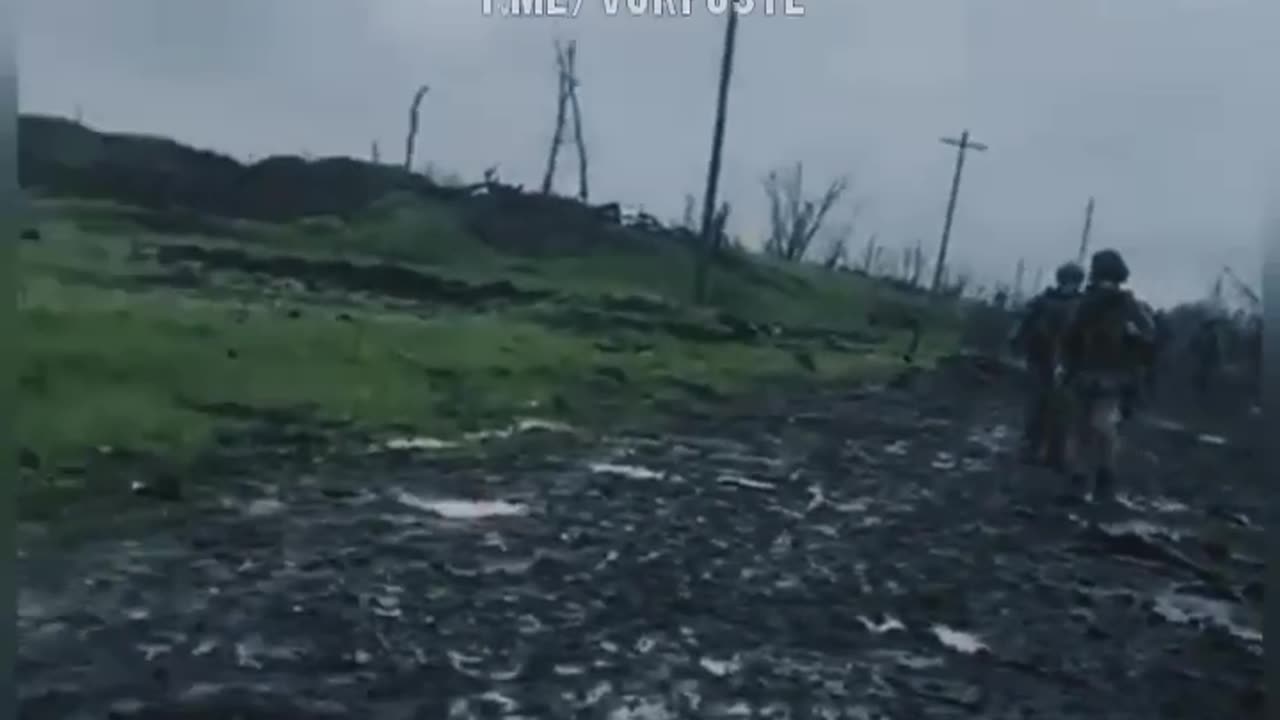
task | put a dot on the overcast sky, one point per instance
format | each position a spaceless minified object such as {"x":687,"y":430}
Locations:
{"x":1162,"y":109}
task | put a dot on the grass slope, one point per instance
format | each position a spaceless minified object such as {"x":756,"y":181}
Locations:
{"x":116,"y":353}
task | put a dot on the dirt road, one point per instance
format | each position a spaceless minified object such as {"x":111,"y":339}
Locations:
{"x":854,"y":554}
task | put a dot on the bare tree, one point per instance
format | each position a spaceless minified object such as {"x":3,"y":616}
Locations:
{"x":794,"y":220}
{"x":719,"y":227}
{"x":918,"y":263}
{"x":567,"y":102}
{"x":837,"y":253}
{"x":412,"y":137}
{"x":869,"y":254}
{"x":689,"y":219}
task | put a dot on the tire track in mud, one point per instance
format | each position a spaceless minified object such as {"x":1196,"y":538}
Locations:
{"x":861,"y":556}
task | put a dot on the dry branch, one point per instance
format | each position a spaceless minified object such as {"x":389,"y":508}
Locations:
{"x":795,"y":220}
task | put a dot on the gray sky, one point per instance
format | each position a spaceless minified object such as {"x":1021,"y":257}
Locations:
{"x":1158,"y":107}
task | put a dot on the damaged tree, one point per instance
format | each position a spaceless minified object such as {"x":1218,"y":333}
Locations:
{"x":412,"y":137}
{"x":567,"y":102}
{"x":837,"y":252}
{"x":795,"y":220}
{"x":917,"y":264}
{"x":689,"y":219}
{"x":869,"y":255}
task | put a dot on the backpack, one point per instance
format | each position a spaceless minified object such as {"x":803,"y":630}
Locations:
{"x":1051,"y":317}
{"x":1107,"y":340}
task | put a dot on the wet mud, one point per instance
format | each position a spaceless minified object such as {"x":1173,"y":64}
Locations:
{"x":819,"y":554}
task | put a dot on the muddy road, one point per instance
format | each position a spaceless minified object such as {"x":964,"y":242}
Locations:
{"x":819,"y":554}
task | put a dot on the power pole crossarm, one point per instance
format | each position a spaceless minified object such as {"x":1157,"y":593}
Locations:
{"x":964,"y":144}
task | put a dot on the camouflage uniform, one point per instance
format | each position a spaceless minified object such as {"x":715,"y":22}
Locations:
{"x":1038,"y":336}
{"x":1105,"y":349}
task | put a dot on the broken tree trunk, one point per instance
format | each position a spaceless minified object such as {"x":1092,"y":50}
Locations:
{"x":567,"y":102}
{"x":412,"y":138}
{"x":557,"y":136}
{"x":583,"y":190}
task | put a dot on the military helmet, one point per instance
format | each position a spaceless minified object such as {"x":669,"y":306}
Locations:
{"x":1069,"y":274}
{"x":1108,"y":266}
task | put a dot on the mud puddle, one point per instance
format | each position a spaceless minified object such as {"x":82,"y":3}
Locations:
{"x":726,"y":569}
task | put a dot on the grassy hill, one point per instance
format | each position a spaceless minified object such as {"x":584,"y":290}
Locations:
{"x":158,"y":321}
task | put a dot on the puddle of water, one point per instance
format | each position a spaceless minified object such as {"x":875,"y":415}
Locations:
{"x":634,"y":472}
{"x":1186,"y":609}
{"x":522,"y":425}
{"x":910,"y":660}
{"x":943,"y":461}
{"x":992,"y":439}
{"x":856,"y":505}
{"x":744,"y":482}
{"x":1166,"y":424}
{"x":889,"y":624}
{"x":1142,"y":528}
{"x":418,"y":443}
{"x":1162,"y":505}
{"x":958,"y":640}
{"x":530,"y":424}
{"x":898,"y":447}
{"x":461,"y":509}
{"x":720,"y":667}
{"x":642,"y":709}
{"x":264,"y":507}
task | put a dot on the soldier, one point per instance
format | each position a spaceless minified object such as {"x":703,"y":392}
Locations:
{"x":1105,"y":348}
{"x":1038,"y":338}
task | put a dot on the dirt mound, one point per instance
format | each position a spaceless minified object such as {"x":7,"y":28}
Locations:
{"x":64,"y":158}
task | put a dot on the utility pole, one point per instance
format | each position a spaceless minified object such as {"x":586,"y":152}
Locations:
{"x":707,"y":249}
{"x":1084,"y":235}
{"x":964,"y":144}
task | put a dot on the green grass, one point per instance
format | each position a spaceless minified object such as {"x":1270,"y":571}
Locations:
{"x":105,"y":367}
{"x":108,"y":362}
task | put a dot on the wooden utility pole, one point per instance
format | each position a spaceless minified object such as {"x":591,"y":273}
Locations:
{"x":1017,"y":279}
{"x":964,"y":144}
{"x":708,"y":242}
{"x":1084,"y":235}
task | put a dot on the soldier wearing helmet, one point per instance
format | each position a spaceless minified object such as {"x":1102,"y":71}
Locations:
{"x":1038,"y":337}
{"x":1106,"y":347}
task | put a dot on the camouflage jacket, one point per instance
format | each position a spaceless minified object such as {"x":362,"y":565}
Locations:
{"x":1110,"y":333}
{"x":1041,"y":330}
